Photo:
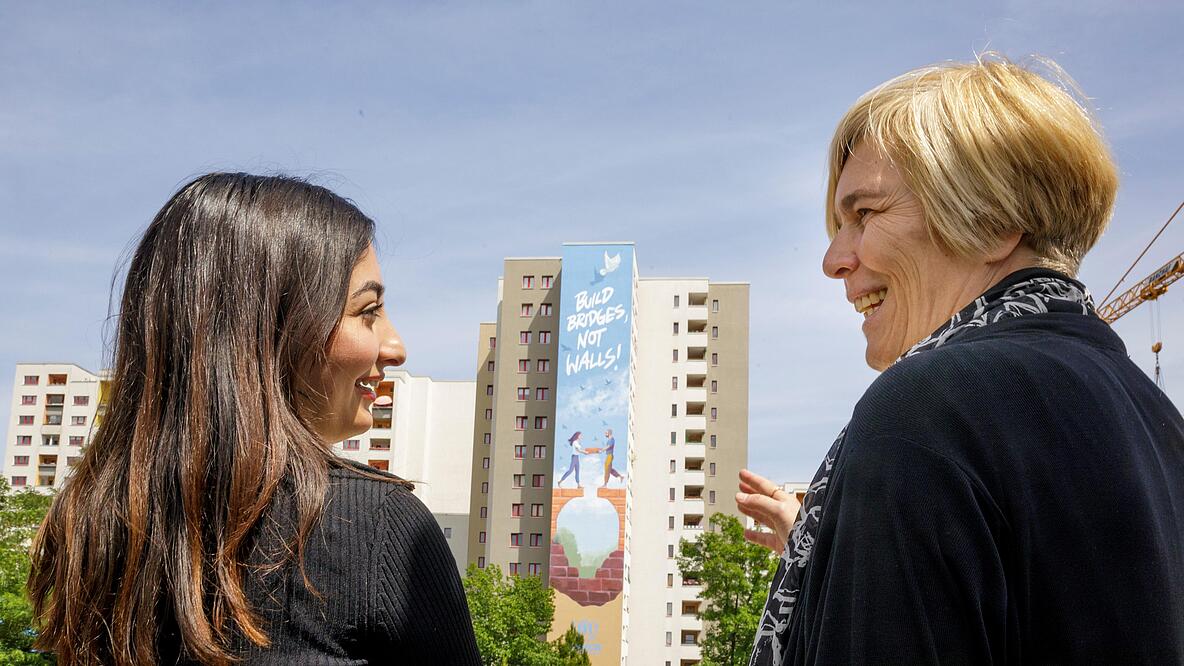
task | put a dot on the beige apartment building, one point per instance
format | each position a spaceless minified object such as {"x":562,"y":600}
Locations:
{"x":50,"y":420}
{"x":686,"y":430}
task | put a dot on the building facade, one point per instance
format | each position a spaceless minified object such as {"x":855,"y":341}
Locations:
{"x":638,"y":388}
{"x":50,"y":420}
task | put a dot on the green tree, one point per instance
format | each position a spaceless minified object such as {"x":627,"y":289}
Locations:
{"x":20,"y":516}
{"x":736,"y":576}
{"x":511,"y":617}
{"x":569,"y":649}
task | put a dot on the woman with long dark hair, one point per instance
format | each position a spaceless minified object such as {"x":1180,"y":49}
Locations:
{"x":209,"y":520}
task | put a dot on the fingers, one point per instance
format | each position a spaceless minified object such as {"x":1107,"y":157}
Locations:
{"x":758,"y":483}
{"x":766,"y":539}
{"x":781,"y":510}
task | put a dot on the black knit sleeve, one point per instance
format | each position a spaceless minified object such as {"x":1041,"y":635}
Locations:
{"x":418,"y":603}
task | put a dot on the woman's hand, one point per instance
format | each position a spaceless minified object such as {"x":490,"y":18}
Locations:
{"x":769,"y":505}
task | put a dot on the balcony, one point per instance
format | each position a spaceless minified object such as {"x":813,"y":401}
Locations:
{"x":695,"y":422}
{"x":383,"y":444}
{"x":695,"y":367}
{"x":58,"y":380}
{"x":696,"y":340}
{"x":694,"y":477}
{"x":693,"y":394}
{"x":693,"y":436}
{"x":382,"y":417}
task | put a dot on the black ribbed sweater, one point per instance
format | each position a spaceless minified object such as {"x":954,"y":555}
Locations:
{"x":390,"y":590}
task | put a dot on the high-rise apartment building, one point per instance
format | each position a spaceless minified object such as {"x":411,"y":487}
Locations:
{"x":611,"y":421}
{"x":53,"y":412}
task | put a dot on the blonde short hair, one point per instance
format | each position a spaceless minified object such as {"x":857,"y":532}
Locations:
{"x":990,"y":148}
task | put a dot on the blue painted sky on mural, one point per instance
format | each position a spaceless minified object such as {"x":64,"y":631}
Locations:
{"x":473,"y":131}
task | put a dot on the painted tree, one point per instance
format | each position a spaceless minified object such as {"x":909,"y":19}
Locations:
{"x":20,"y":516}
{"x":735,"y":575}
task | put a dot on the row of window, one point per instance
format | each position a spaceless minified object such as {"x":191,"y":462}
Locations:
{"x":532,"y":568}
{"x":21,"y":461}
{"x":544,"y":283}
{"x":536,"y":510}
{"x":540,"y":392}
{"x":49,"y":440}
{"x":54,"y":380}
{"x":536,"y":539}
{"x":710,"y":498}
{"x":714,"y":412}
{"x":375,"y":445}
{"x":540,"y":453}
{"x":714,"y":331}
{"x":674,"y":385}
{"x":527,"y":310}
{"x":79,"y":400}
{"x":714,"y":357}
{"x":674,"y":468}
{"x":50,"y":419}
{"x":714,"y":303}
{"x":536,"y":481}
{"x":674,"y":439}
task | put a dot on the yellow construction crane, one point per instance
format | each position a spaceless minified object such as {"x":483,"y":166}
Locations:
{"x":1149,"y":289}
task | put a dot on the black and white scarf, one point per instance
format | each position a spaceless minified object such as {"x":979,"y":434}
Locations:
{"x":1031,"y":291}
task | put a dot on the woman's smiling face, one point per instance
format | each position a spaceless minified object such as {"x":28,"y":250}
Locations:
{"x":903,"y":283}
{"x":363,"y":346}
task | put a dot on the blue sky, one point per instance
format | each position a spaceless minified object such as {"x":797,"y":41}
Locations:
{"x":475,"y":131}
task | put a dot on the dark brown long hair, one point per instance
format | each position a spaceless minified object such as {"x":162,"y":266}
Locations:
{"x":231,"y":297}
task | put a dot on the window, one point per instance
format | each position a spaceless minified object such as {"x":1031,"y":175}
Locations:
{"x":350,"y":445}
{"x":715,"y":305}
{"x":515,"y":510}
{"x":75,"y":440}
{"x":481,"y":537}
{"x":485,"y":463}
{"x":528,"y":282}
{"x":489,"y":389}
{"x":711,"y":496}
{"x":536,"y":539}
{"x":714,"y":386}
{"x":484,"y":487}
{"x":515,"y":540}
{"x":25,"y":419}
{"x":674,"y":355}
{"x":49,"y":440}
{"x":544,"y":337}
{"x":520,"y":423}
{"x":669,"y":609}
{"x":544,"y":365}
{"x":493,"y":343}
{"x":673,"y":438}
{"x":484,"y":512}
{"x":20,"y":460}
{"x":670,"y":524}
{"x":672,"y":494}
{"x":670,"y":551}
{"x":24,"y":440}
{"x":547,"y":281}
{"x":480,"y":562}
{"x":28,"y":400}
{"x":540,"y":452}
{"x":447,"y":532}
{"x":537,"y":480}
{"x":676,"y":300}
{"x":77,"y":420}
{"x":520,"y":451}
{"x":488,"y":413}
{"x":523,"y":393}
{"x":669,"y":583}
{"x":714,"y":413}
{"x":523,"y":365}
{"x":676,"y":328}
{"x":536,"y":510}
{"x":526,"y":310}
{"x":18,"y":481}
{"x":714,"y":358}
{"x":673,"y":466}
{"x":487,"y":438}
{"x":713,"y":441}
{"x":711,"y":469}
{"x":545,"y":310}
{"x":519,"y":480}
{"x":674,"y":383}
{"x":540,"y":393}
{"x":714,"y":332}
{"x":540,"y":423}
{"x":32,"y":380}
{"x":513,"y":568}
{"x":524,"y":337}
{"x":489,"y":366}
{"x":674,"y":409}
{"x":533,"y":568}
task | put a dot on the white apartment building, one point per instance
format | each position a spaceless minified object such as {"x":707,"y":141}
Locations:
{"x":50,"y":420}
{"x":423,"y":432}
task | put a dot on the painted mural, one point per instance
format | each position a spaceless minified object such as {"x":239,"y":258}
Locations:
{"x":587,"y":563}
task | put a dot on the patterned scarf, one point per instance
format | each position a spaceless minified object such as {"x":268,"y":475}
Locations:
{"x":1030,"y":291}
